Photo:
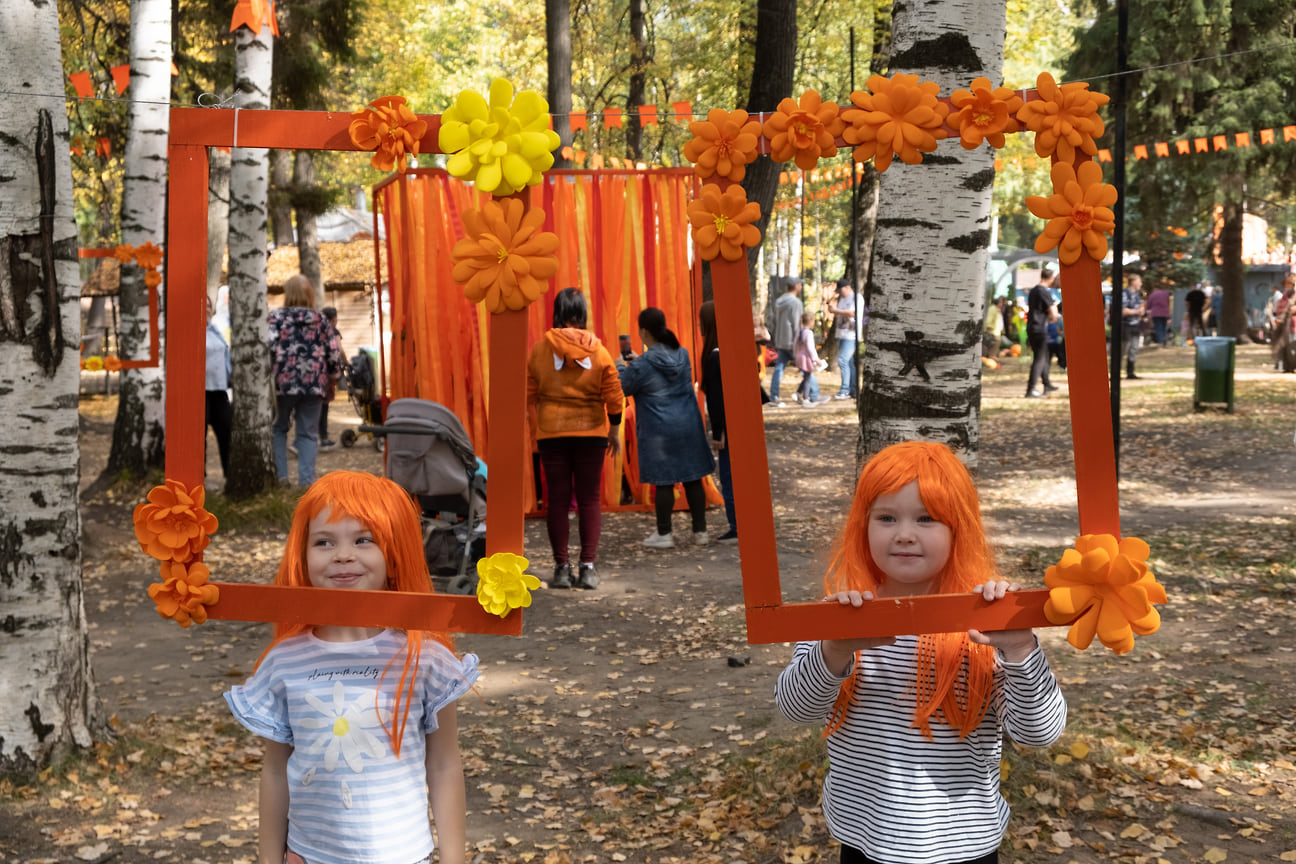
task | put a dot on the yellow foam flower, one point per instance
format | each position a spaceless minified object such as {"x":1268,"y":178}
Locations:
{"x":723,"y":144}
{"x":1064,"y":118}
{"x":984,"y":113}
{"x":722,"y":222}
{"x":502,"y":145}
{"x":503,"y":583}
{"x":1107,"y":584}
{"x":93,"y":364}
{"x":1079,"y":212}
{"x":183,"y":594}
{"x":900,"y":117}
{"x":506,"y":259}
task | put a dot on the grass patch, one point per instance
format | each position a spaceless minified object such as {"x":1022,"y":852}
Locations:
{"x":271,"y":511}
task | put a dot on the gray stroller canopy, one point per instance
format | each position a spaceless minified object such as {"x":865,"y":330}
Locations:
{"x":428,"y":451}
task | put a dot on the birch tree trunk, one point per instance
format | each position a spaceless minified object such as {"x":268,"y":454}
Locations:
{"x":251,"y":464}
{"x":922,"y":364}
{"x":218,"y":180}
{"x":47,"y":697}
{"x":280,"y":197}
{"x":308,"y":259}
{"x":139,"y":438}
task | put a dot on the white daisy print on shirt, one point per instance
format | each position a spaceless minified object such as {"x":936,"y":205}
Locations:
{"x":347,"y":726}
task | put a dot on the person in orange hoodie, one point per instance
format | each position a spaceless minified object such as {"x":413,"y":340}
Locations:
{"x":574,"y":405}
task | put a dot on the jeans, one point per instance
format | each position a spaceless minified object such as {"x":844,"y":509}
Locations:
{"x":780,"y":363}
{"x":307,"y":409}
{"x":726,"y":488}
{"x":220,"y":417}
{"x":573,"y":466}
{"x":1159,"y":330}
{"x":846,"y":365}
{"x":1040,"y":363}
{"x":808,"y":389}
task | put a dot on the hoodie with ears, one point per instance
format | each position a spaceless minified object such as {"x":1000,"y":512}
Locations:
{"x":572,"y":386}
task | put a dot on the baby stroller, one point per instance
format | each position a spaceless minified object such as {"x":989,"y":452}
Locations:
{"x":362,"y":390}
{"x":429,"y":455}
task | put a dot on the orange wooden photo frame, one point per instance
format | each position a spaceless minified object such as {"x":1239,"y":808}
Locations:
{"x":152,"y":361}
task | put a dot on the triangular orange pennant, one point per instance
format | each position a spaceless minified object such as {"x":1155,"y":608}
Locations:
{"x":121,"y":77}
{"x":81,"y":81}
{"x":104,"y":148}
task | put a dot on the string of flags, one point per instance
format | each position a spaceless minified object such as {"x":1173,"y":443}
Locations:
{"x":120,"y":76}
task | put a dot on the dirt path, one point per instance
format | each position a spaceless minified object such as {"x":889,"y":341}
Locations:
{"x":620,"y":725}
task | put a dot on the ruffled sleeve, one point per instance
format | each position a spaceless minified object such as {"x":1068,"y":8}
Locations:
{"x":445,"y":679}
{"x":261,"y":704}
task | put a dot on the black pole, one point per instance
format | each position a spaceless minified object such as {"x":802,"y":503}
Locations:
{"x":1115,"y":317}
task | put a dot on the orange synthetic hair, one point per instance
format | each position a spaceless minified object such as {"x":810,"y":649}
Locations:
{"x":390,"y":514}
{"x":950,"y":497}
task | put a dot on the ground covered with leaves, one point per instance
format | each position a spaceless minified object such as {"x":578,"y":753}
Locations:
{"x":634,"y":723}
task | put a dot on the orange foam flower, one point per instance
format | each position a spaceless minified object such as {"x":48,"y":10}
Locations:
{"x":1064,"y":119}
{"x":900,"y":117}
{"x":112,"y":364}
{"x":124,"y":253}
{"x":183,"y":594}
{"x":148,"y":256}
{"x":1107,"y":584}
{"x":723,"y":144}
{"x":984,"y":113}
{"x":172,"y":524}
{"x":722,"y":222}
{"x":806,"y":130}
{"x":1079,"y":212}
{"x":390,"y":127}
{"x":152,"y":278}
{"x":506,"y":259}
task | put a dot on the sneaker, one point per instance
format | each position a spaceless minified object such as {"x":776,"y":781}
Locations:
{"x":1034,"y":394}
{"x":327,"y":443}
{"x":587,"y":577}
{"x":730,"y":536}
{"x":840,"y":396}
{"x":701,"y":538}
{"x":811,"y":403}
{"x":1049,"y":388}
{"x":796,"y":397}
{"x":659,"y":541}
{"x":562,"y":577}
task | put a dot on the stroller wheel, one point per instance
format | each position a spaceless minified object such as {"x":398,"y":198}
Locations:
{"x":465,"y":584}
{"x":379,"y":443}
{"x":348,"y":438}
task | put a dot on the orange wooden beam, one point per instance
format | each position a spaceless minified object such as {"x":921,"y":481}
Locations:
{"x":284,"y":130}
{"x":186,"y":428}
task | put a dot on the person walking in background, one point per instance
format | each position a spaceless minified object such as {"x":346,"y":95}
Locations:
{"x":713,"y":388}
{"x":1158,"y":309}
{"x":784,"y":327}
{"x":1195,"y":300}
{"x":845,"y":323}
{"x":1057,"y":340}
{"x":220,"y":416}
{"x":1041,"y":308}
{"x":574,"y":406}
{"x":1216,"y":294}
{"x":807,"y":360}
{"x":1284,"y":334}
{"x":1132,"y":310}
{"x":304,"y":357}
{"x":668,"y":427}
{"x":330,"y":315}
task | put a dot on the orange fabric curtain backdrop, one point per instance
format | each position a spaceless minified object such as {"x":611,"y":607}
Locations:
{"x":622,"y":240}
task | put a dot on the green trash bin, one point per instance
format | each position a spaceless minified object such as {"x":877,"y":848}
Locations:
{"x":1213,"y":371}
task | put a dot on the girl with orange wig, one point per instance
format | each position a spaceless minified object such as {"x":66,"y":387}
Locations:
{"x":915,"y":723}
{"x":359,"y":723}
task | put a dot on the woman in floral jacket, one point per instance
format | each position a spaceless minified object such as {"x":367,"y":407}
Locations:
{"x":305,"y":357}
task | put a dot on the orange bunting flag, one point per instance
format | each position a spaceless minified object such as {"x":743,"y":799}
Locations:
{"x":1201,"y":145}
{"x":616,"y":162}
{"x":647,"y":115}
{"x":578,"y":121}
{"x":121,"y":77}
{"x":597,"y":162}
{"x":81,"y":81}
{"x":253,"y":14}
{"x":580,"y":157}
{"x":1183,"y":147}
{"x":783,"y":178}
{"x":567,"y":153}
{"x":77,"y":150}
{"x":104,"y":148}
{"x":683,"y":111}
{"x":1289,"y":133}
{"x":1220,"y":143}
{"x":175,"y":72}
{"x":1162,"y":148}
{"x":612,"y":118}
{"x":1266,"y":136}
{"x":1140,"y":151}
{"x":1243,"y":139}
{"x":999,"y":164}
{"x":1104,"y":156}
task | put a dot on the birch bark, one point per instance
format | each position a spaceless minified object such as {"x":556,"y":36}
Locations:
{"x":922,"y":366}
{"x":47,"y":696}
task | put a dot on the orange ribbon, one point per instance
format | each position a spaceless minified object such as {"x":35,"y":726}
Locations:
{"x":253,"y":14}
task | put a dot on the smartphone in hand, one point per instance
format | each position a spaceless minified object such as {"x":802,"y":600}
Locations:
{"x":626,"y":350}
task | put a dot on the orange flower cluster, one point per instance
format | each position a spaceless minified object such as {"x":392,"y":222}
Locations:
{"x":984,"y":113}
{"x":1065,"y":119}
{"x":900,"y":117}
{"x":723,"y":144}
{"x":805,"y":131}
{"x":390,"y":127}
{"x":1078,"y":212}
{"x":147,"y":256}
{"x":112,"y":364}
{"x":1108,"y":584}
{"x":183,"y":594}
{"x":722,"y":222}
{"x":505,"y":261}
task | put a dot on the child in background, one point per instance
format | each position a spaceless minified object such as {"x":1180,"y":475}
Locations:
{"x":915,"y":723}
{"x":807,"y":360}
{"x":359,"y":723}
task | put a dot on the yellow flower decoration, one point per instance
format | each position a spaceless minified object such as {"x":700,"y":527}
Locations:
{"x":93,"y":364}
{"x":722,"y":222}
{"x":390,"y":127}
{"x":183,"y":594}
{"x":503,"y":583}
{"x":984,"y":113}
{"x":1108,"y":585}
{"x":806,"y":130}
{"x":723,"y":144}
{"x":1079,"y":212}
{"x":900,"y":117}
{"x":172,"y":525}
{"x":502,"y":145}
{"x":1064,"y":119}
{"x":506,"y":259}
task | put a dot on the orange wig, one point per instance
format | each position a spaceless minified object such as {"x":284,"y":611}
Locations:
{"x":950,"y":497}
{"x":389,"y":513}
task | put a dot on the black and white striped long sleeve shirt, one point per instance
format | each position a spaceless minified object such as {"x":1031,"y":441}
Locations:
{"x":896,"y":795}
